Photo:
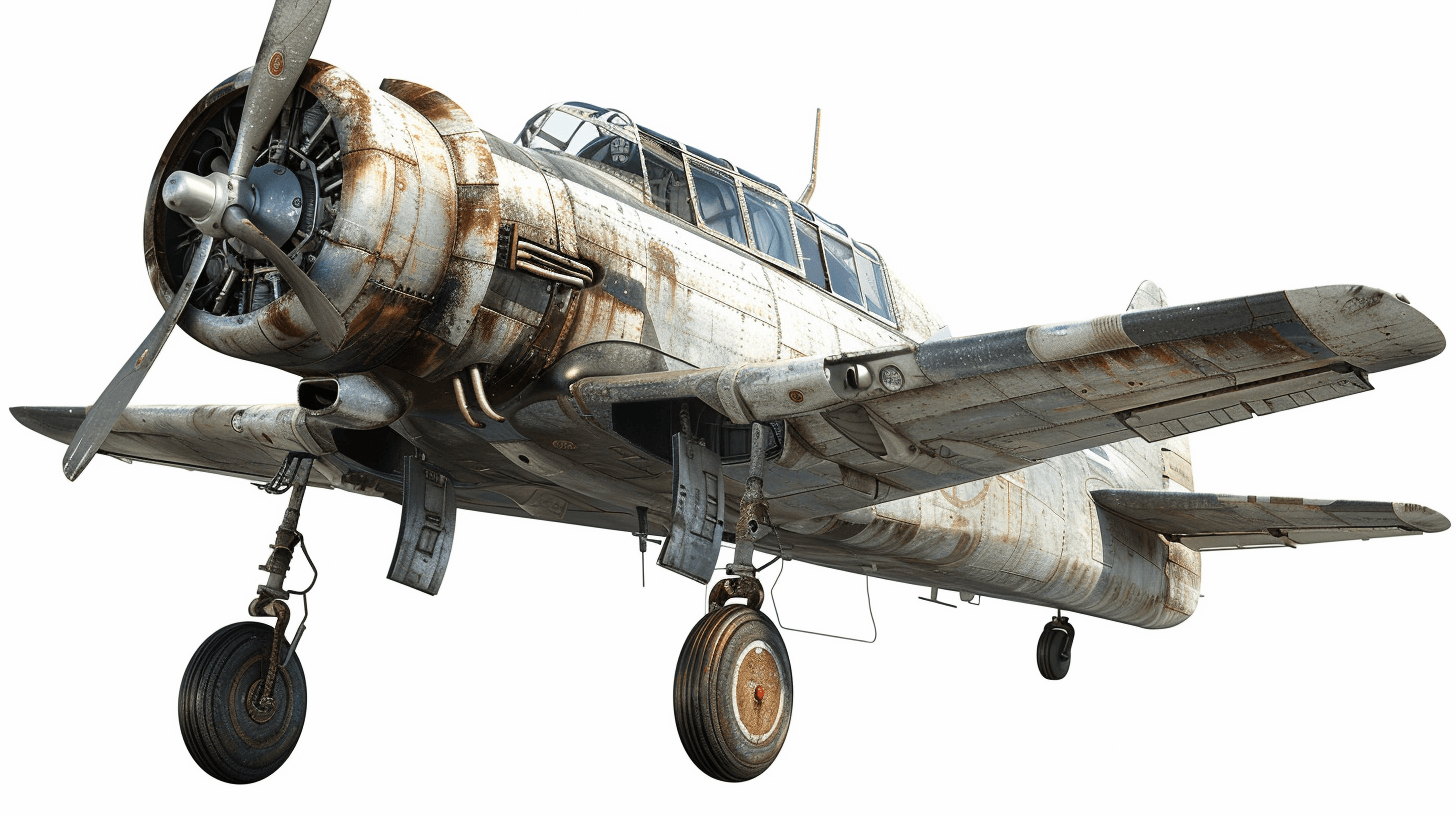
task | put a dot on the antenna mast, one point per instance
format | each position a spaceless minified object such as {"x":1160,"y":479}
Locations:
{"x":814,"y":168}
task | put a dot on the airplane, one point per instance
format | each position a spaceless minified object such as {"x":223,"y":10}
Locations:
{"x":827,"y":233}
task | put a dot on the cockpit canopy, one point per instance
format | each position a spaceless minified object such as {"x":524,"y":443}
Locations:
{"x":716,"y":196}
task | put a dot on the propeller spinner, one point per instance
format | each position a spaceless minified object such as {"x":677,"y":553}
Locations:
{"x":226,"y":205}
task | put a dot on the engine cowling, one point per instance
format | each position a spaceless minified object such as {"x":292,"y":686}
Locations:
{"x":387,"y":199}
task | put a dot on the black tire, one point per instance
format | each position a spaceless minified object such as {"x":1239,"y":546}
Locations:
{"x":1054,"y":649}
{"x":733,"y":733}
{"x":212,"y":707}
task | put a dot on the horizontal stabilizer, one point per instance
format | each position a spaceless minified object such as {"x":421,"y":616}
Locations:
{"x":1206,"y":521}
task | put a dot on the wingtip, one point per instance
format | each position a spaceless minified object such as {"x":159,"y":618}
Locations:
{"x":1346,"y":318}
{"x":1422,"y":518}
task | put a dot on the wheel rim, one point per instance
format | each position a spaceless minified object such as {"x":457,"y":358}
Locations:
{"x":758,"y":692}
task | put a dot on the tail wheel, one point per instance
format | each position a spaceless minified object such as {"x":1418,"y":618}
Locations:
{"x":228,"y":734}
{"x":1054,"y":649}
{"x":733,"y":693}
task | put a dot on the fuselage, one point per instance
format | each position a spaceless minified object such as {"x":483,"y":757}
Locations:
{"x":453,"y":250}
{"x":695,"y":297}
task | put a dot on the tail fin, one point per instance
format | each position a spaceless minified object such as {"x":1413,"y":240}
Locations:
{"x":1177,"y":455}
{"x":1149,"y":295}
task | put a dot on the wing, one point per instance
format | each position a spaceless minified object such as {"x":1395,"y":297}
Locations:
{"x":249,"y":442}
{"x":252,"y":441}
{"x":907,"y":419}
{"x":1204,"y":521}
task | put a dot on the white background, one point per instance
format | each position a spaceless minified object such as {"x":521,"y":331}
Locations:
{"x":1016,"y":163}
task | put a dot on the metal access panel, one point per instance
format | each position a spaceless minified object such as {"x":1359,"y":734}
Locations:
{"x":696,"y":532}
{"x":426,"y":527}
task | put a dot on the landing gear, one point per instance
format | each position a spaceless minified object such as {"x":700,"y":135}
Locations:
{"x":1054,"y":648}
{"x":232,"y":730}
{"x":243,"y":697}
{"x":733,"y":693}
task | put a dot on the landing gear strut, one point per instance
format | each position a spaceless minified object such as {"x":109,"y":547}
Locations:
{"x":733,"y":691}
{"x":1054,"y":648}
{"x":243,"y":695}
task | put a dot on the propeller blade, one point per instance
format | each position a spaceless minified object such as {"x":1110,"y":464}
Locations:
{"x":293,"y":30}
{"x":107,"y":410}
{"x":325,"y":317}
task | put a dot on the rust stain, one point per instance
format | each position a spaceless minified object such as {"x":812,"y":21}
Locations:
{"x":662,"y":270}
{"x":423,"y":355}
{"x":280,"y":321}
{"x":477,"y":222}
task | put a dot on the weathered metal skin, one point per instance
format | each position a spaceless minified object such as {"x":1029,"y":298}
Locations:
{"x":868,"y":479}
{"x":1033,"y":536}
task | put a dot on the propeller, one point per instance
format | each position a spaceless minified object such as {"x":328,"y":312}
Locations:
{"x":218,"y":206}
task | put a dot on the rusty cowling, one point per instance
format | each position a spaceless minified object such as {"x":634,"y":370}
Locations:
{"x":455,"y":334}
{"x":385,"y":257}
{"x":486,"y":315}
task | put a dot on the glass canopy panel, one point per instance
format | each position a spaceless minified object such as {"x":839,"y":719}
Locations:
{"x":669,"y":185}
{"x":809,"y":245}
{"x":843,"y":278}
{"x":557,"y":131}
{"x":770,"y":221}
{"x":584,"y":135}
{"x":718,"y":203}
{"x":872,"y":279}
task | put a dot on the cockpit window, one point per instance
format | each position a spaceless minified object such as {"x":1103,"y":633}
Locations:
{"x":668,"y":185}
{"x":718,"y":203}
{"x":770,"y":222}
{"x":809,"y":246}
{"x":843,"y":278}
{"x":566,"y":131}
{"x":554,"y":129}
{"x":872,"y":279}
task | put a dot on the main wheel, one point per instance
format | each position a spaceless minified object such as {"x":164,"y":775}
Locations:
{"x":226,"y":732}
{"x":1054,"y":649}
{"x":733,"y":693}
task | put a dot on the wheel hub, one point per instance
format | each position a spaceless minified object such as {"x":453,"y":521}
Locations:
{"x":758,"y":692}
{"x":260,"y":710}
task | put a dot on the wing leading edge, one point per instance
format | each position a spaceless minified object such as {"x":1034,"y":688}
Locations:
{"x":248,"y":442}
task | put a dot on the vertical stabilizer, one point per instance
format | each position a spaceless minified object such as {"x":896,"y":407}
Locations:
{"x":1149,"y":295}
